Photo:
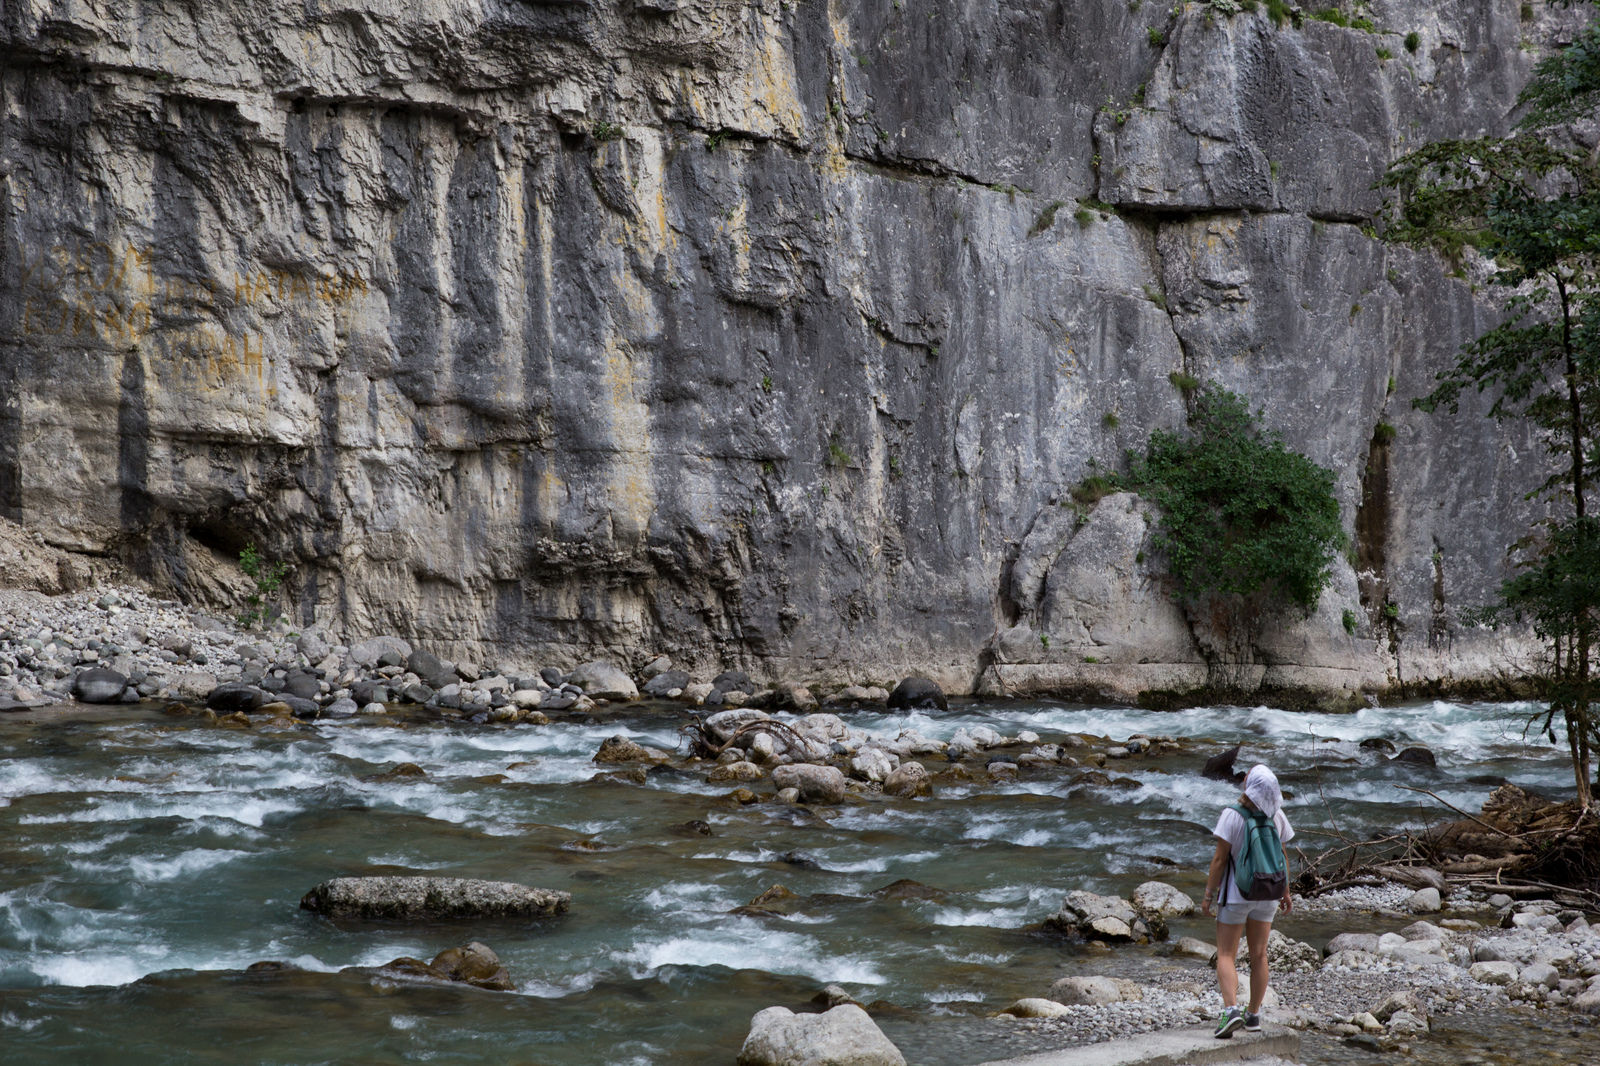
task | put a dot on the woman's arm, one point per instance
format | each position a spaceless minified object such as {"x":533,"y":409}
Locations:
{"x":1219,"y":870}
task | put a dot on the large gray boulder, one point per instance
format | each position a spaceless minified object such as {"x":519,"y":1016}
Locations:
{"x":842,"y":1036}
{"x":1107,"y":918}
{"x":1158,"y":897}
{"x":368,"y":652}
{"x":604,"y":681}
{"x":427,"y":898}
{"x":98,"y":685}
{"x":816,"y":784}
{"x":1088,"y":991}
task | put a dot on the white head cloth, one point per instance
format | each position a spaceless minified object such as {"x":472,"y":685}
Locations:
{"x":1262,"y":789}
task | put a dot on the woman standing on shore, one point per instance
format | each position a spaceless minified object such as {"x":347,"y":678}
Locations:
{"x":1248,"y":879}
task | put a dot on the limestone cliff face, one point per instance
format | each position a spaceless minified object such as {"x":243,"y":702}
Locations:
{"x":765,"y":334}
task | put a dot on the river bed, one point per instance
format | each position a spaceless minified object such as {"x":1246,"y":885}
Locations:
{"x":146,"y":860}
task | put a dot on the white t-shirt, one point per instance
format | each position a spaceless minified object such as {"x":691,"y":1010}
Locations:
{"x":1231,"y":827}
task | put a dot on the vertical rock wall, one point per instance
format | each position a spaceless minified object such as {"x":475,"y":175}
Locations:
{"x":767,"y":334}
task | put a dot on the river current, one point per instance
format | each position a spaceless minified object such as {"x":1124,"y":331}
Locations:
{"x":146,"y":860}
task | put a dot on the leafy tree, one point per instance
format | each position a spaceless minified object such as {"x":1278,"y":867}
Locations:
{"x":1240,"y":512}
{"x":267,"y":578}
{"x":1530,"y":203}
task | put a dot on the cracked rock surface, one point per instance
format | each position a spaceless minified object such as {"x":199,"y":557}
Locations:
{"x":763,"y":335}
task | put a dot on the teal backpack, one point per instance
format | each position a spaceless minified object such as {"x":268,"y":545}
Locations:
{"x":1260,"y":873}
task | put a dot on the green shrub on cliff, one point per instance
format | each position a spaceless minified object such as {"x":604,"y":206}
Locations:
{"x":1240,"y":512}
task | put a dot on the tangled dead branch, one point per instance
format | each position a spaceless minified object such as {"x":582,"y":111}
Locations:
{"x":703,"y":741}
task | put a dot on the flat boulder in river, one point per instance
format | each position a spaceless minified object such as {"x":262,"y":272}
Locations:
{"x":423,"y":898}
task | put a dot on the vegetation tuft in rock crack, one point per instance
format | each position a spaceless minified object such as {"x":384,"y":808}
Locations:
{"x":1240,"y":512}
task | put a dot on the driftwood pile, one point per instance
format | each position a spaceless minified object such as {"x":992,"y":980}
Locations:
{"x":1521,"y":845}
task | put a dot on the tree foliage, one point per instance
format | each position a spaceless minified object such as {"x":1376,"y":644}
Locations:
{"x":1240,"y":512}
{"x":1530,"y":203}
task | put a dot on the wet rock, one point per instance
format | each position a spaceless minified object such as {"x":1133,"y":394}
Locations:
{"x":909,"y":781}
{"x":740,"y":770}
{"x":1086,"y":991}
{"x":1195,"y":948}
{"x":1037,"y":1008}
{"x":603,"y":681}
{"x":1220,"y":767}
{"x":475,"y":965}
{"x":305,"y":710}
{"x":1158,"y":897}
{"x":620,"y":749}
{"x":918,"y":693}
{"x":733,"y":681}
{"x":842,"y":1036}
{"x":98,"y":685}
{"x":1378,"y":744}
{"x":832,"y":996}
{"x":406,"y":966}
{"x":272,"y":966}
{"x":661,"y":685}
{"x":229,"y":698}
{"x":788,"y":795}
{"x":1587,"y":1002}
{"x":815,"y":784}
{"x":402,"y":770}
{"x":1416,"y":756}
{"x":633,"y":776}
{"x":430,"y":898}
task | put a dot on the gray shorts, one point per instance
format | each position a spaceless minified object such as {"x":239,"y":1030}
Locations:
{"x":1247,"y":910}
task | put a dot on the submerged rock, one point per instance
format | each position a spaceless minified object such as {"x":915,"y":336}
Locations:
{"x":620,"y":749}
{"x":423,"y":898}
{"x":909,"y":781}
{"x":475,"y":965}
{"x":842,"y":1036}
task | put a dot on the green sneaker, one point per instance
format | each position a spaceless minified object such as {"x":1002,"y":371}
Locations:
{"x":1231,"y":1021}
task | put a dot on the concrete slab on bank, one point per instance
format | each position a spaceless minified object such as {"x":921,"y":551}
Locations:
{"x":1172,"y":1047}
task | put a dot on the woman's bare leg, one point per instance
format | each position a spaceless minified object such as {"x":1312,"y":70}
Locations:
{"x":1256,"y":933}
{"x":1227,"y":972}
